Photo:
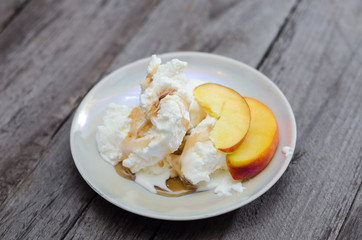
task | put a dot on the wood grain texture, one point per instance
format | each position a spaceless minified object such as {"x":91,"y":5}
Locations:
{"x":352,"y":227}
{"x":311,"y":49}
{"x":53,"y":197}
{"x":107,"y":225}
{"x":48,"y":201}
{"x":9,"y":9}
{"x":142,"y":43}
{"x":318,"y":68}
{"x":50,"y":57}
{"x":241,"y":30}
{"x":106,"y":221}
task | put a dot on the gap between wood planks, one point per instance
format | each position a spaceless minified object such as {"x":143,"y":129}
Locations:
{"x":15,"y":13}
{"x":156,"y":231}
{"x":349,"y":212}
{"x":279,"y":33}
{"x":71,"y":225}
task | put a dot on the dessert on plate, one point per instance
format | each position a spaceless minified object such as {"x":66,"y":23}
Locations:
{"x":187,"y":136}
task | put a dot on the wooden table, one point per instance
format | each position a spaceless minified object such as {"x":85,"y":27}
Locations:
{"x":53,"y":52}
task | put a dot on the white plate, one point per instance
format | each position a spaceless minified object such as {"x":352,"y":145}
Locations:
{"x":122,"y":86}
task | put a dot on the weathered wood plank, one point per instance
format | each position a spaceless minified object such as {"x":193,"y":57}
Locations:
{"x":240,"y":30}
{"x":165,"y":43}
{"x":352,"y":227}
{"x":112,"y":223}
{"x":92,"y":215}
{"x":48,"y":201}
{"x":50,"y":57}
{"x":316,"y":61}
{"x":8,"y":11}
{"x":318,"y":68}
{"x":51,"y":199}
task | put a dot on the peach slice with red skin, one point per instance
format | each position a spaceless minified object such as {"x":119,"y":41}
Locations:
{"x":259,"y":145}
{"x":231,"y":111}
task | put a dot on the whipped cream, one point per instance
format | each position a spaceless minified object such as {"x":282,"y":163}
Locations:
{"x":146,"y":138}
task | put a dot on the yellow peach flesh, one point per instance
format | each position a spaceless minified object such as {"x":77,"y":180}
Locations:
{"x":259,"y":145}
{"x":232,"y":113}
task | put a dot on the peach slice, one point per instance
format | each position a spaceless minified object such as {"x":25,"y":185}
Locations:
{"x":259,"y":145}
{"x":231,"y":111}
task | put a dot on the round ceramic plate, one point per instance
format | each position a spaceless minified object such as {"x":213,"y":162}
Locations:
{"x":122,"y":86}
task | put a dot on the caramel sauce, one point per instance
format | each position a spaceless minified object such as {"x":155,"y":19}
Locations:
{"x":149,"y":79}
{"x":124,"y":172}
{"x":142,"y":132}
{"x":182,"y":146}
{"x":191,"y":140}
{"x":184,"y":121}
{"x":136,"y":136}
{"x":155,"y":106}
{"x":177,"y":187}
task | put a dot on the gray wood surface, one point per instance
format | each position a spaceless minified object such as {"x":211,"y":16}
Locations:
{"x":50,"y":57}
{"x":53,"y":52}
{"x":353,"y":224}
{"x":9,"y":9}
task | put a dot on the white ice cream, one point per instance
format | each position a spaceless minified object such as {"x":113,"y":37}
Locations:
{"x":221,"y":183}
{"x":202,"y":159}
{"x":203,"y":165}
{"x":167,"y":133}
{"x":113,"y":131}
{"x":155,"y":175}
{"x":168,"y":105}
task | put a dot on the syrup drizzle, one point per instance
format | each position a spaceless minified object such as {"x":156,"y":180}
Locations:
{"x":176,"y":185}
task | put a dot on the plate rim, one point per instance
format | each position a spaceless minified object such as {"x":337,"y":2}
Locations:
{"x":180,"y":54}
